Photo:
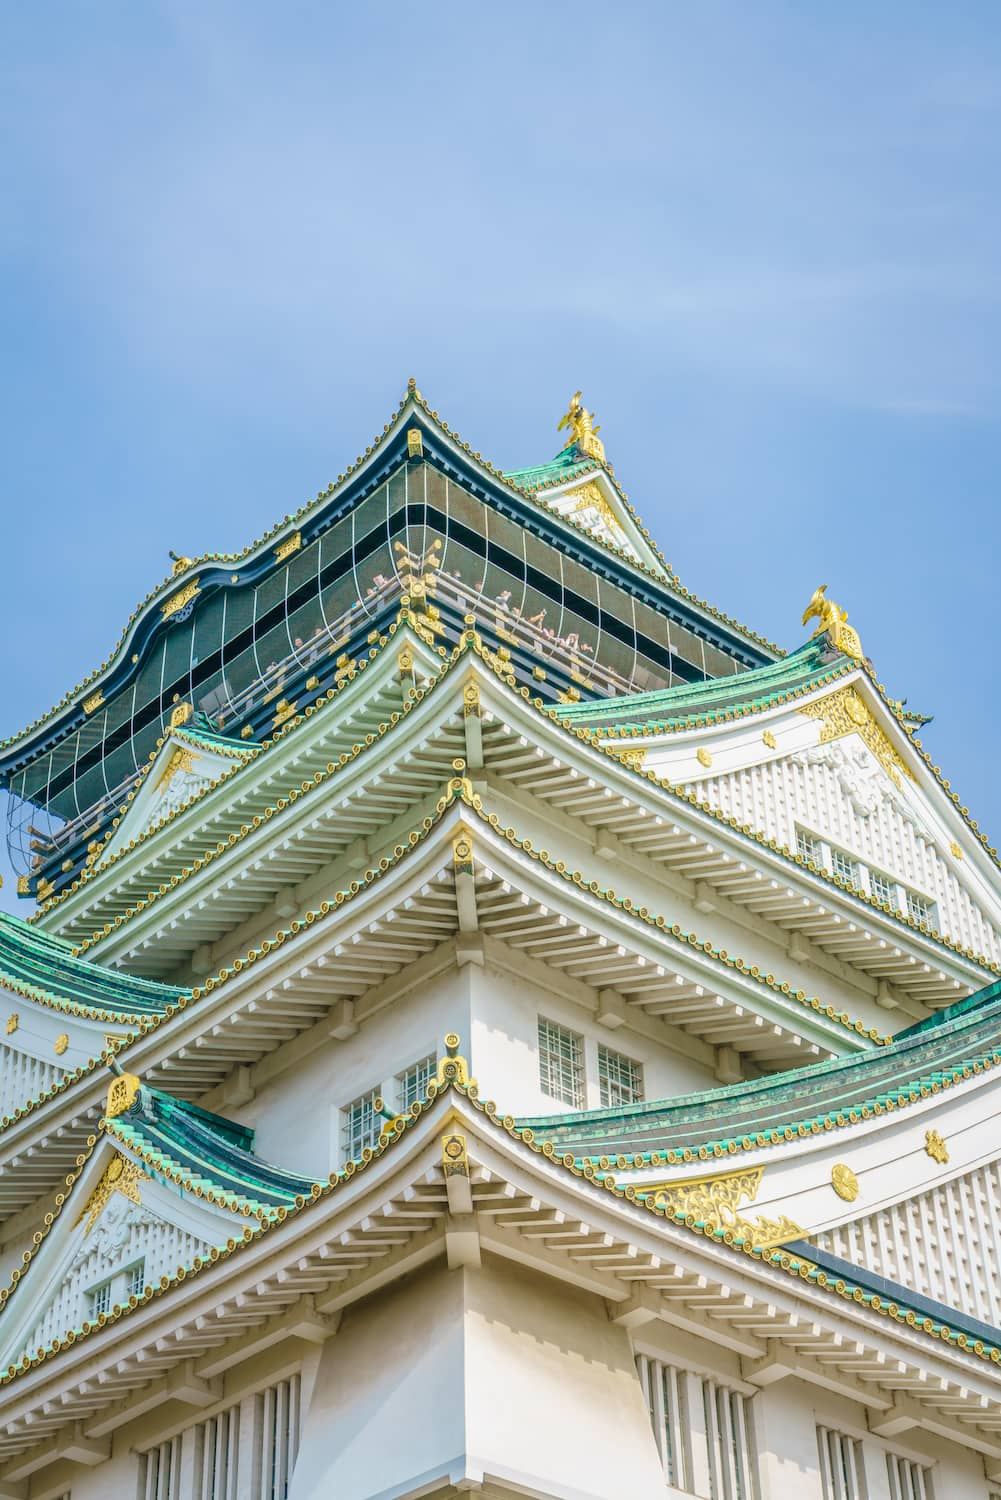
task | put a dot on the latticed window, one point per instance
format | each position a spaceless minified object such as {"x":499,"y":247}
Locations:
{"x":361,"y":1124}
{"x":279,"y":1420}
{"x":137,"y":1279}
{"x":216,"y":1456}
{"x":620,"y":1079}
{"x":919,"y":907}
{"x":841,"y":1473}
{"x":412,"y":1083}
{"x":844,"y":866}
{"x":733,"y":1467}
{"x":664,"y":1390}
{"x":724,"y":1450}
{"x":160,"y":1471}
{"x":100,"y":1299}
{"x":908,"y":1480}
{"x":883,"y":888}
{"x":809,"y":848}
{"x":561,"y":1063}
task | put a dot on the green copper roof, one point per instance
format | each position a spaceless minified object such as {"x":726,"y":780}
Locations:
{"x":795,"y":1101}
{"x":38,"y":965}
{"x":203,"y":734}
{"x":758,"y":688}
{"x":558,"y":470}
{"x":206,"y":1153}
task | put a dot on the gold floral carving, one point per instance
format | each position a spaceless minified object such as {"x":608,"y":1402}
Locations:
{"x":844,"y":1182}
{"x":179,"y":600}
{"x":181,"y":760}
{"x":285,"y":549}
{"x":23,"y":885}
{"x":405,"y":661}
{"x":767,"y":738}
{"x":454,"y":1157}
{"x":589,"y":497}
{"x":471,"y":701}
{"x":62,"y":1042}
{"x":119,"y":1176}
{"x":462,"y":855}
{"x":180,"y":715}
{"x":12,"y":1023}
{"x":936,"y":1147}
{"x":453,"y":1068}
{"x":632,"y":757}
{"x":283,"y":710}
{"x":45,"y":889}
{"x":844,"y":712}
{"x":703,"y":757}
{"x":955,"y":850}
{"x":833,"y":621}
{"x":93,"y":703}
{"x":122,"y":1092}
{"x":415,"y":443}
{"x":716,"y":1201}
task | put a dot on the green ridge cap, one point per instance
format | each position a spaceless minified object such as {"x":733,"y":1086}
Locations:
{"x":757,"y":688}
{"x":559,"y":469}
{"x":716,"y":1123}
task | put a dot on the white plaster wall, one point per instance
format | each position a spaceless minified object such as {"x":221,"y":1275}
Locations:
{"x":388,"y":1410}
{"x":785,"y":1429}
{"x":504,"y":1049}
{"x":295,"y":1114}
{"x":553,"y":1401}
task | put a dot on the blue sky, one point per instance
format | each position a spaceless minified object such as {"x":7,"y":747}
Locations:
{"x":764,"y":239}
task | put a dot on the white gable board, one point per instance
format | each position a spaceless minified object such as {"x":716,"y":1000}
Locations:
{"x":119,"y":1230}
{"x":182,"y":768}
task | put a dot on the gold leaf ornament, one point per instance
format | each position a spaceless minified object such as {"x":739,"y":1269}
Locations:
{"x":844,"y":1182}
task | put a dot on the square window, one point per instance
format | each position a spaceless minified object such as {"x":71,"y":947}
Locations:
{"x":100,"y":1299}
{"x":919,"y":907}
{"x":908,"y":1480}
{"x":620,"y":1079}
{"x":809,"y":848}
{"x":361,"y":1125}
{"x":412,"y":1083}
{"x":844,"y":866}
{"x":561,"y":1064}
{"x":842,"y":1474}
{"x":883,"y":888}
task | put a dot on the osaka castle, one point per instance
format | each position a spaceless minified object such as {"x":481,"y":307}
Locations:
{"x":486,"y":1021}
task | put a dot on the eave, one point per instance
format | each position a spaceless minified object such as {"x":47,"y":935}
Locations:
{"x":293,"y":1278}
{"x":392,"y":765}
{"x":348,"y":953}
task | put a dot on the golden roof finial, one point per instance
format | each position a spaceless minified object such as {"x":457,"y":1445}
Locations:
{"x":583,"y":429}
{"x":834,"y":622}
